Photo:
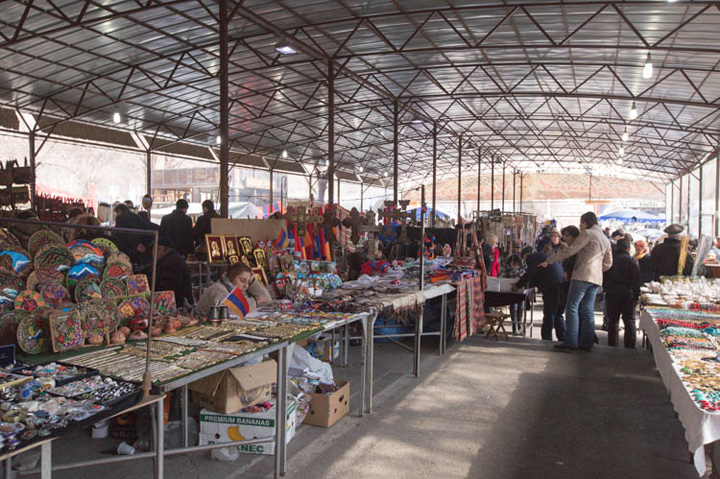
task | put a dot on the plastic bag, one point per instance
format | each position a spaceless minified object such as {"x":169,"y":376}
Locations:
{"x":225,"y":454}
{"x":302,"y":362}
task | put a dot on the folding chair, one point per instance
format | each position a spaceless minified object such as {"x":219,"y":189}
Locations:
{"x":495,"y":322}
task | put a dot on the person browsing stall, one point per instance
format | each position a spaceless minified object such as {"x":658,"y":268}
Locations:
{"x":622,"y":289}
{"x":547,"y":280}
{"x":665,"y":257}
{"x":594,"y":257}
{"x":178,"y":226}
{"x":237,"y":275}
{"x":172,"y":272}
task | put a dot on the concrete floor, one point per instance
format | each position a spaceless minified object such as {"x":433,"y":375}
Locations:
{"x":487,"y":409}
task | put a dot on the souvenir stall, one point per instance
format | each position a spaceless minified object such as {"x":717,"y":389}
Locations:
{"x":681,"y":322}
{"x":95,"y":339}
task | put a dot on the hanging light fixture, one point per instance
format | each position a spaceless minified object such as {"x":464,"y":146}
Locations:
{"x":385,"y":174}
{"x":633,"y":111}
{"x":648,"y":68}
{"x":116,"y":116}
{"x":619,"y":161}
{"x":621,"y":152}
{"x":360,"y":169}
{"x":625,"y":135}
{"x":284,"y":46}
{"x":218,"y":140}
{"x":284,"y":154}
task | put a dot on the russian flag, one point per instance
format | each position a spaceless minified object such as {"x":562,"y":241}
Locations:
{"x":282,"y":239}
{"x":237,"y":303}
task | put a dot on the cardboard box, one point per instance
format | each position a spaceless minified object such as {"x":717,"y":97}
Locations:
{"x":219,"y":428}
{"x":231,"y":390}
{"x":324,"y":349}
{"x":327,"y":409}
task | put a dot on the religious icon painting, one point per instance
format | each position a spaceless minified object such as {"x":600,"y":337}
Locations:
{"x":244,"y":259}
{"x":65,"y":331}
{"x":247,"y":245}
{"x":137,"y":284}
{"x":260,"y":276}
{"x":231,"y":249}
{"x":29,"y":300}
{"x":213,"y":243}
{"x":164,"y":302}
{"x":261,"y":259}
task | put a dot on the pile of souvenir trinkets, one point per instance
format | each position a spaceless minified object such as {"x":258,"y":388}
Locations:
{"x":700,"y":294}
{"x":38,"y":401}
{"x":692,"y":339}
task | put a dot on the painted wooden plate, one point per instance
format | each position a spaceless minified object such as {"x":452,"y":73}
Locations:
{"x":43,"y":238}
{"x":87,"y":290}
{"x":94,"y":319}
{"x":54,"y":295}
{"x":57,"y":256}
{"x":81,"y":271}
{"x":10,"y":286}
{"x":20,"y":261}
{"x":29,"y":300}
{"x":33,"y":335}
{"x":137,"y":307}
{"x":117,"y":270}
{"x":9,"y":325}
{"x":106,"y":245}
{"x":112,"y":288}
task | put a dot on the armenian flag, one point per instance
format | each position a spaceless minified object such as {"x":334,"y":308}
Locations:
{"x":237,"y":303}
{"x":282,"y":239}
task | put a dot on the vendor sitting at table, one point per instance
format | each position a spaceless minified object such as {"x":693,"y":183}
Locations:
{"x":237,"y":275}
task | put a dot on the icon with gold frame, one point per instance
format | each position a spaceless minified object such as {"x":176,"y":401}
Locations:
{"x":260,"y":275}
{"x":231,"y":249}
{"x":261,"y":259}
{"x":247,"y":245}
{"x":214,"y":246}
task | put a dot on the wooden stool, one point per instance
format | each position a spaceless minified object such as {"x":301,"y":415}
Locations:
{"x":495,"y":325}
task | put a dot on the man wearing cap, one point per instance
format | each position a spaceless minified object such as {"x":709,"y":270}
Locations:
{"x":172,"y":273}
{"x":547,"y":280}
{"x":178,"y":226}
{"x":665,"y":257}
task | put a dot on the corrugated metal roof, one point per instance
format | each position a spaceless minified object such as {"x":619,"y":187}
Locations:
{"x":541,"y":85}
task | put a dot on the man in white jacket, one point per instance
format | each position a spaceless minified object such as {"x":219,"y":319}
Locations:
{"x":594,"y":257}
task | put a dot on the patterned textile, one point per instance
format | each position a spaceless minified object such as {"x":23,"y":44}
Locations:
{"x":470,"y":287}
{"x":460,"y":331}
{"x":479,"y":299}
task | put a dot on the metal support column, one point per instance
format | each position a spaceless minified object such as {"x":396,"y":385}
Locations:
{"x":478,"y":178}
{"x":514,"y":175}
{"x":224,"y":110}
{"x":31,"y":152}
{"x":672,"y":202}
{"x":337,"y":193}
{"x":271,"y":190}
{"x":281,"y":414}
{"x":717,"y":195}
{"x":362,"y":194}
{"x":421,"y":317}
{"x":331,"y":134}
{"x":521,"y":190}
{"x":148,"y":172}
{"x":680,"y":200}
{"x":396,"y":144}
{"x":459,"y":188}
{"x":434,"y":176}
{"x":160,"y":439}
{"x":503,"y":188}
{"x":700,"y":198}
{"x":492,"y":183}
{"x":689,"y":200}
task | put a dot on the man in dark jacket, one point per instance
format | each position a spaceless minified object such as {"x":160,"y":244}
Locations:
{"x":172,"y":273}
{"x":128,"y":243}
{"x":547,"y":280}
{"x":666,"y":256}
{"x":622,"y":290}
{"x":202,"y":225}
{"x":178,"y":226}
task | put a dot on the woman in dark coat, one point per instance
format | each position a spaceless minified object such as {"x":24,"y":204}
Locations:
{"x":642,"y":254}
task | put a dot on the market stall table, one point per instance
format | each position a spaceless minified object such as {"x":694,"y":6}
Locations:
{"x":701,"y":427}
